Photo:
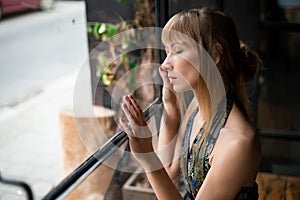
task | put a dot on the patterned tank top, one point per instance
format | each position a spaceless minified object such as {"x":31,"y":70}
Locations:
{"x":194,"y":165}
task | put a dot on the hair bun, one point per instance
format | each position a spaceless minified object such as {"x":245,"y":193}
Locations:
{"x":250,"y":62}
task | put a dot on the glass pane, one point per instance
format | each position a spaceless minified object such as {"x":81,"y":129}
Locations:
{"x":42,"y":49}
{"x":122,"y":62}
{"x":279,"y":101}
{"x":284,"y":159}
{"x":278,"y":106}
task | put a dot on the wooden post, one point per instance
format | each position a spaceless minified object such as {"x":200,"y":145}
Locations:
{"x":81,"y":136}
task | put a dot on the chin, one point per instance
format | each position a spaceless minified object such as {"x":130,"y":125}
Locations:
{"x":181,"y":88}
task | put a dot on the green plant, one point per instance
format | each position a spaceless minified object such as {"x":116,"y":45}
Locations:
{"x":104,"y":32}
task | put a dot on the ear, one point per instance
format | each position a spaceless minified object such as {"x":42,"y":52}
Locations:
{"x":218,"y":52}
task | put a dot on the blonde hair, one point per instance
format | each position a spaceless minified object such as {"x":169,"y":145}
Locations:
{"x":237,"y":64}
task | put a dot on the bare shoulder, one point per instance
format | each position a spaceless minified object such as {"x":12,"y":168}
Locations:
{"x":238,"y":130}
{"x":239,"y":140}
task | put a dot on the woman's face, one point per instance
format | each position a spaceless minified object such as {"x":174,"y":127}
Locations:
{"x":181,"y":65}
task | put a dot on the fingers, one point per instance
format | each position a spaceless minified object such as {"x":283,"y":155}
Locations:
{"x":138,"y":127}
{"x":129,"y":108}
{"x":136,"y":106}
{"x":128,"y":115}
{"x":164,"y":75}
{"x":133,"y":111}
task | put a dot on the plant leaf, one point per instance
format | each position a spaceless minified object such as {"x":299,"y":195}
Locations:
{"x":96,"y":30}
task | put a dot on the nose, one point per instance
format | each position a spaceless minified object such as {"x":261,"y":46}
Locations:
{"x":167,"y":64}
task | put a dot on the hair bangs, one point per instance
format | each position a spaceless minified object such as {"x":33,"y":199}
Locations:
{"x":178,"y":30}
{"x":174,"y":31}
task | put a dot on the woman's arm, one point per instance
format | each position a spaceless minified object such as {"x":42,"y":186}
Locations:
{"x":167,"y":139}
{"x":140,"y":140}
{"x":170,"y":146}
{"x":168,"y":127}
{"x":162,"y":185}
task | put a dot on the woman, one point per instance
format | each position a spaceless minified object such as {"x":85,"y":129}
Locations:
{"x":217,"y":145}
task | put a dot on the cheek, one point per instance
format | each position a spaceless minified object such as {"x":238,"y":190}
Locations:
{"x":193,"y":78}
{"x":182,"y":84}
{"x":190,"y":73}
{"x":187,"y":80}
{"x":186,"y":67}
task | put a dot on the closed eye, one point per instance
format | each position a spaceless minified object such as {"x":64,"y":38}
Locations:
{"x":175,"y":51}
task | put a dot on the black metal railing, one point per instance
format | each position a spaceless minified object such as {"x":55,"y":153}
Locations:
{"x":17,"y":183}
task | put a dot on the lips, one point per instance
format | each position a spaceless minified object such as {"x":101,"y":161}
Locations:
{"x":172,"y":77}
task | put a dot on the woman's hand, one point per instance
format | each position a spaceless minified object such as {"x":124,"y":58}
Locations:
{"x":140,"y":136}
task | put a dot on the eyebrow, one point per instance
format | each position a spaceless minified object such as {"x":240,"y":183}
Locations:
{"x":175,"y":43}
